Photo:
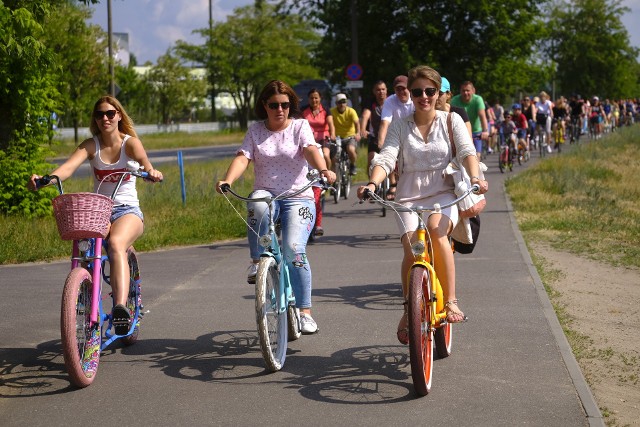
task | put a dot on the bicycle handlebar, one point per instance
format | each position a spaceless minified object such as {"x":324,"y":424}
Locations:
{"x":368,"y":194}
{"x":313,"y":176}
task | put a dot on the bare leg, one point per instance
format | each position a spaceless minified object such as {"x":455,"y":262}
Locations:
{"x":124,"y":232}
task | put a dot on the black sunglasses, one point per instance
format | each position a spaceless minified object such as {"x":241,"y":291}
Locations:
{"x":275,"y":105}
{"x":429,"y":91}
{"x":342,"y":101}
{"x":109,"y":113}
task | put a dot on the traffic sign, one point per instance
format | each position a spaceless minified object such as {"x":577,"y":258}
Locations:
{"x":354,"y":72}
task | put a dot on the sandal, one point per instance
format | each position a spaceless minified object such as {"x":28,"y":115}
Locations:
{"x":121,"y":319}
{"x":391,"y":192}
{"x":403,"y":327}
{"x":454,"y":315}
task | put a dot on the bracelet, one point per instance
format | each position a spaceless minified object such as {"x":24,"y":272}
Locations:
{"x":374,"y":184}
{"x":476,"y":177}
{"x":324,"y":170}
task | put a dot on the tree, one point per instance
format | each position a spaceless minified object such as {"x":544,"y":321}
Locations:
{"x":490,"y":43}
{"x":591,"y":47}
{"x":27,"y":99}
{"x":175,"y":89}
{"x":255,"y":45}
{"x":82,"y":63}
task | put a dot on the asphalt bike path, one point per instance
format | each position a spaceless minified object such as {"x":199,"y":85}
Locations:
{"x":198,"y":358}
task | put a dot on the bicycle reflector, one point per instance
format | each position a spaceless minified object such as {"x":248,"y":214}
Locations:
{"x":265,"y":241}
{"x":83,"y":245}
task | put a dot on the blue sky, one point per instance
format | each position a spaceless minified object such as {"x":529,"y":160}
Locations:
{"x":155,"y":25}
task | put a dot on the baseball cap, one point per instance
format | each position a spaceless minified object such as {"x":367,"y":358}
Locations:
{"x":445,"y":86}
{"x":400,"y":81}
{"x":340,"y":97}
{"x":516,"y":107}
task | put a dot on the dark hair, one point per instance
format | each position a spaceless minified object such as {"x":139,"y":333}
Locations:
{"x":276,"y":87}
{"x":314,"y":90}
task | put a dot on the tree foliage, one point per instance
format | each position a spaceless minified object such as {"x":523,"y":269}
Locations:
{"x":255,"y":45}
{"x":27,"y":99}
{"x":82,"y":64}
{"x":175,"y":90}
{"x":591,"y":47}
{"x":488,"y":42}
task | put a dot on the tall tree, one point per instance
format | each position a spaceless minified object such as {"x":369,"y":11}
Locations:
{"x":488,"y":42}
{"x":591,"y":47}
{"x":27,"y":99}
{"x":256,"y":44}
{"x":82,"y":63}
{"x":175,"y":88}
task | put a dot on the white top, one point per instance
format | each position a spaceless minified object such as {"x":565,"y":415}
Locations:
{"x":394,"y":109}
{"x":104,"y":172}
{"x":279,"y":162}
{"x":544,"y":107}
{"x":422,"y":163}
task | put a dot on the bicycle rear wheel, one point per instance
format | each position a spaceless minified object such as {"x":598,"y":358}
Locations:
{"x":134,"y":299}
{"x":420,"y":332}
{"x":384,"y":187}
{"x":338,"y":184}
{"x":272,"y":324}
{"x":80,"y":340}
{"x":293,"y":322}
{"x":444,"y":339}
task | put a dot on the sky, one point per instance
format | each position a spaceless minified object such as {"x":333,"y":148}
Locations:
{"x":155,"y":25}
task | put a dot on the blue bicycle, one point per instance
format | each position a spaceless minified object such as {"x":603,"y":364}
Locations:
{"x":277,"y":316}
{"x":86,"y":329}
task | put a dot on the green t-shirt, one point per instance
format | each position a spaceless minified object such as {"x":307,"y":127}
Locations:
{"x":345,"y":123}
{"x":472,"y":108}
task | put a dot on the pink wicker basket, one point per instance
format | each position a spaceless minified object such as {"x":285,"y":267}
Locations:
{"x":82,"y":215}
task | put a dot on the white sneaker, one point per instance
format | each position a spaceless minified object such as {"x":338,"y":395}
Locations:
{"x":252,"y":272}
{"x":307,"y":324}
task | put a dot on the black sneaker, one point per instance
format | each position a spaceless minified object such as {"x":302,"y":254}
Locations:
{"x":352,"y":170}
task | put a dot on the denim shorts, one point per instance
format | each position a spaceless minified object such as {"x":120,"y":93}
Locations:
{"x":121,"y":210}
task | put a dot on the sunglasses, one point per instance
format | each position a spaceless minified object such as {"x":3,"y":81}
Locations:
{"x":275,"y":105}
{"x":109,"y":113}
{"x":429,"y":91}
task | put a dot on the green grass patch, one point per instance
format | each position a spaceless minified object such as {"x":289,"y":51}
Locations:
{"x":585,"y":201}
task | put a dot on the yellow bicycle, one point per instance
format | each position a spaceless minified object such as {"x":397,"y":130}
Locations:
{"x":427,"y":324}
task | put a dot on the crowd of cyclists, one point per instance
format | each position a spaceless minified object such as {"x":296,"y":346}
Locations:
{"x":538,"y":119}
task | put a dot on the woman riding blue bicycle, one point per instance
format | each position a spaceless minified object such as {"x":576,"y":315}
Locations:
{"x":281,"y":147}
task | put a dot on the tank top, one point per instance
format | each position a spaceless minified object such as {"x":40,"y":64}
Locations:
{"x":127,"y":194}
{"x":374,"y":121}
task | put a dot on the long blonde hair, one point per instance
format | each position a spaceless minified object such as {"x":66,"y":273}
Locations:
{"x":125,"y":125}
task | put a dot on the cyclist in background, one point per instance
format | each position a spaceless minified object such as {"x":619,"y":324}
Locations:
{"x":347,"y":125}
{"x":529,"y":111}
{"x":522,"y":124}
{"x":395,"y":107}
{"x":596,"y":118}
{"x":370,"y":120}
{"x":281,"y":148}
{"x":321,"y":123}
{"x":474,"y":106}
{"x":558,"y":122}
{"x":113,"y":145}
{"x":544,"y":116}
{"x":576,"y":105}
{"x":443,"y":103}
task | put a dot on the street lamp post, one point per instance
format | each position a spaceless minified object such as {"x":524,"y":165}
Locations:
{"x":112,"y":83}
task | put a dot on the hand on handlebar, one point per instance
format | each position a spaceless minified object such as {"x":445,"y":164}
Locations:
{"x":222,"y":186}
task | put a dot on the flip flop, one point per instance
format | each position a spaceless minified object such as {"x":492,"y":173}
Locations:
{"x":121,"y":319}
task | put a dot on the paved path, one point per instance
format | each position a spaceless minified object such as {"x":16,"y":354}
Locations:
{"x":198,"y":360}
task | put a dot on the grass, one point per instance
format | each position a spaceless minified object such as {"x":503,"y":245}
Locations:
{"x":165,"y":140}
{"x":585,"y":201}
{"x":207,"y":217}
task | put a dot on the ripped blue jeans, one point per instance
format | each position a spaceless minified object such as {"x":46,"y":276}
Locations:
{"x":297,"y":217}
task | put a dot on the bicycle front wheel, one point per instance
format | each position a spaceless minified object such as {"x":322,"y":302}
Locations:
{"x":420,"y":331}
{"x":272,"y":324}
{"x":134,"y":299}
{"x":80,"y":340}
{"x":338,"y":184}
{"x":293,"y":322}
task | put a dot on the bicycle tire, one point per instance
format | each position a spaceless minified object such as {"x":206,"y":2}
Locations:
{"x":347,"y":185}
{"x":501,"y":160}
{"x":134,"y":298}
{"x":80,"y":340}
{"x":293,"y":323}
{"x":338,"y":184}
{"x":420,"y":332}
{"x":272,"y":324}
{"x":443,"y":338}
{"x":384,"y":187}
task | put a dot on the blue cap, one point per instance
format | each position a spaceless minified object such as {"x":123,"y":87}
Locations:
{"x":516,"y":107}
{"x":445,"y":87}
